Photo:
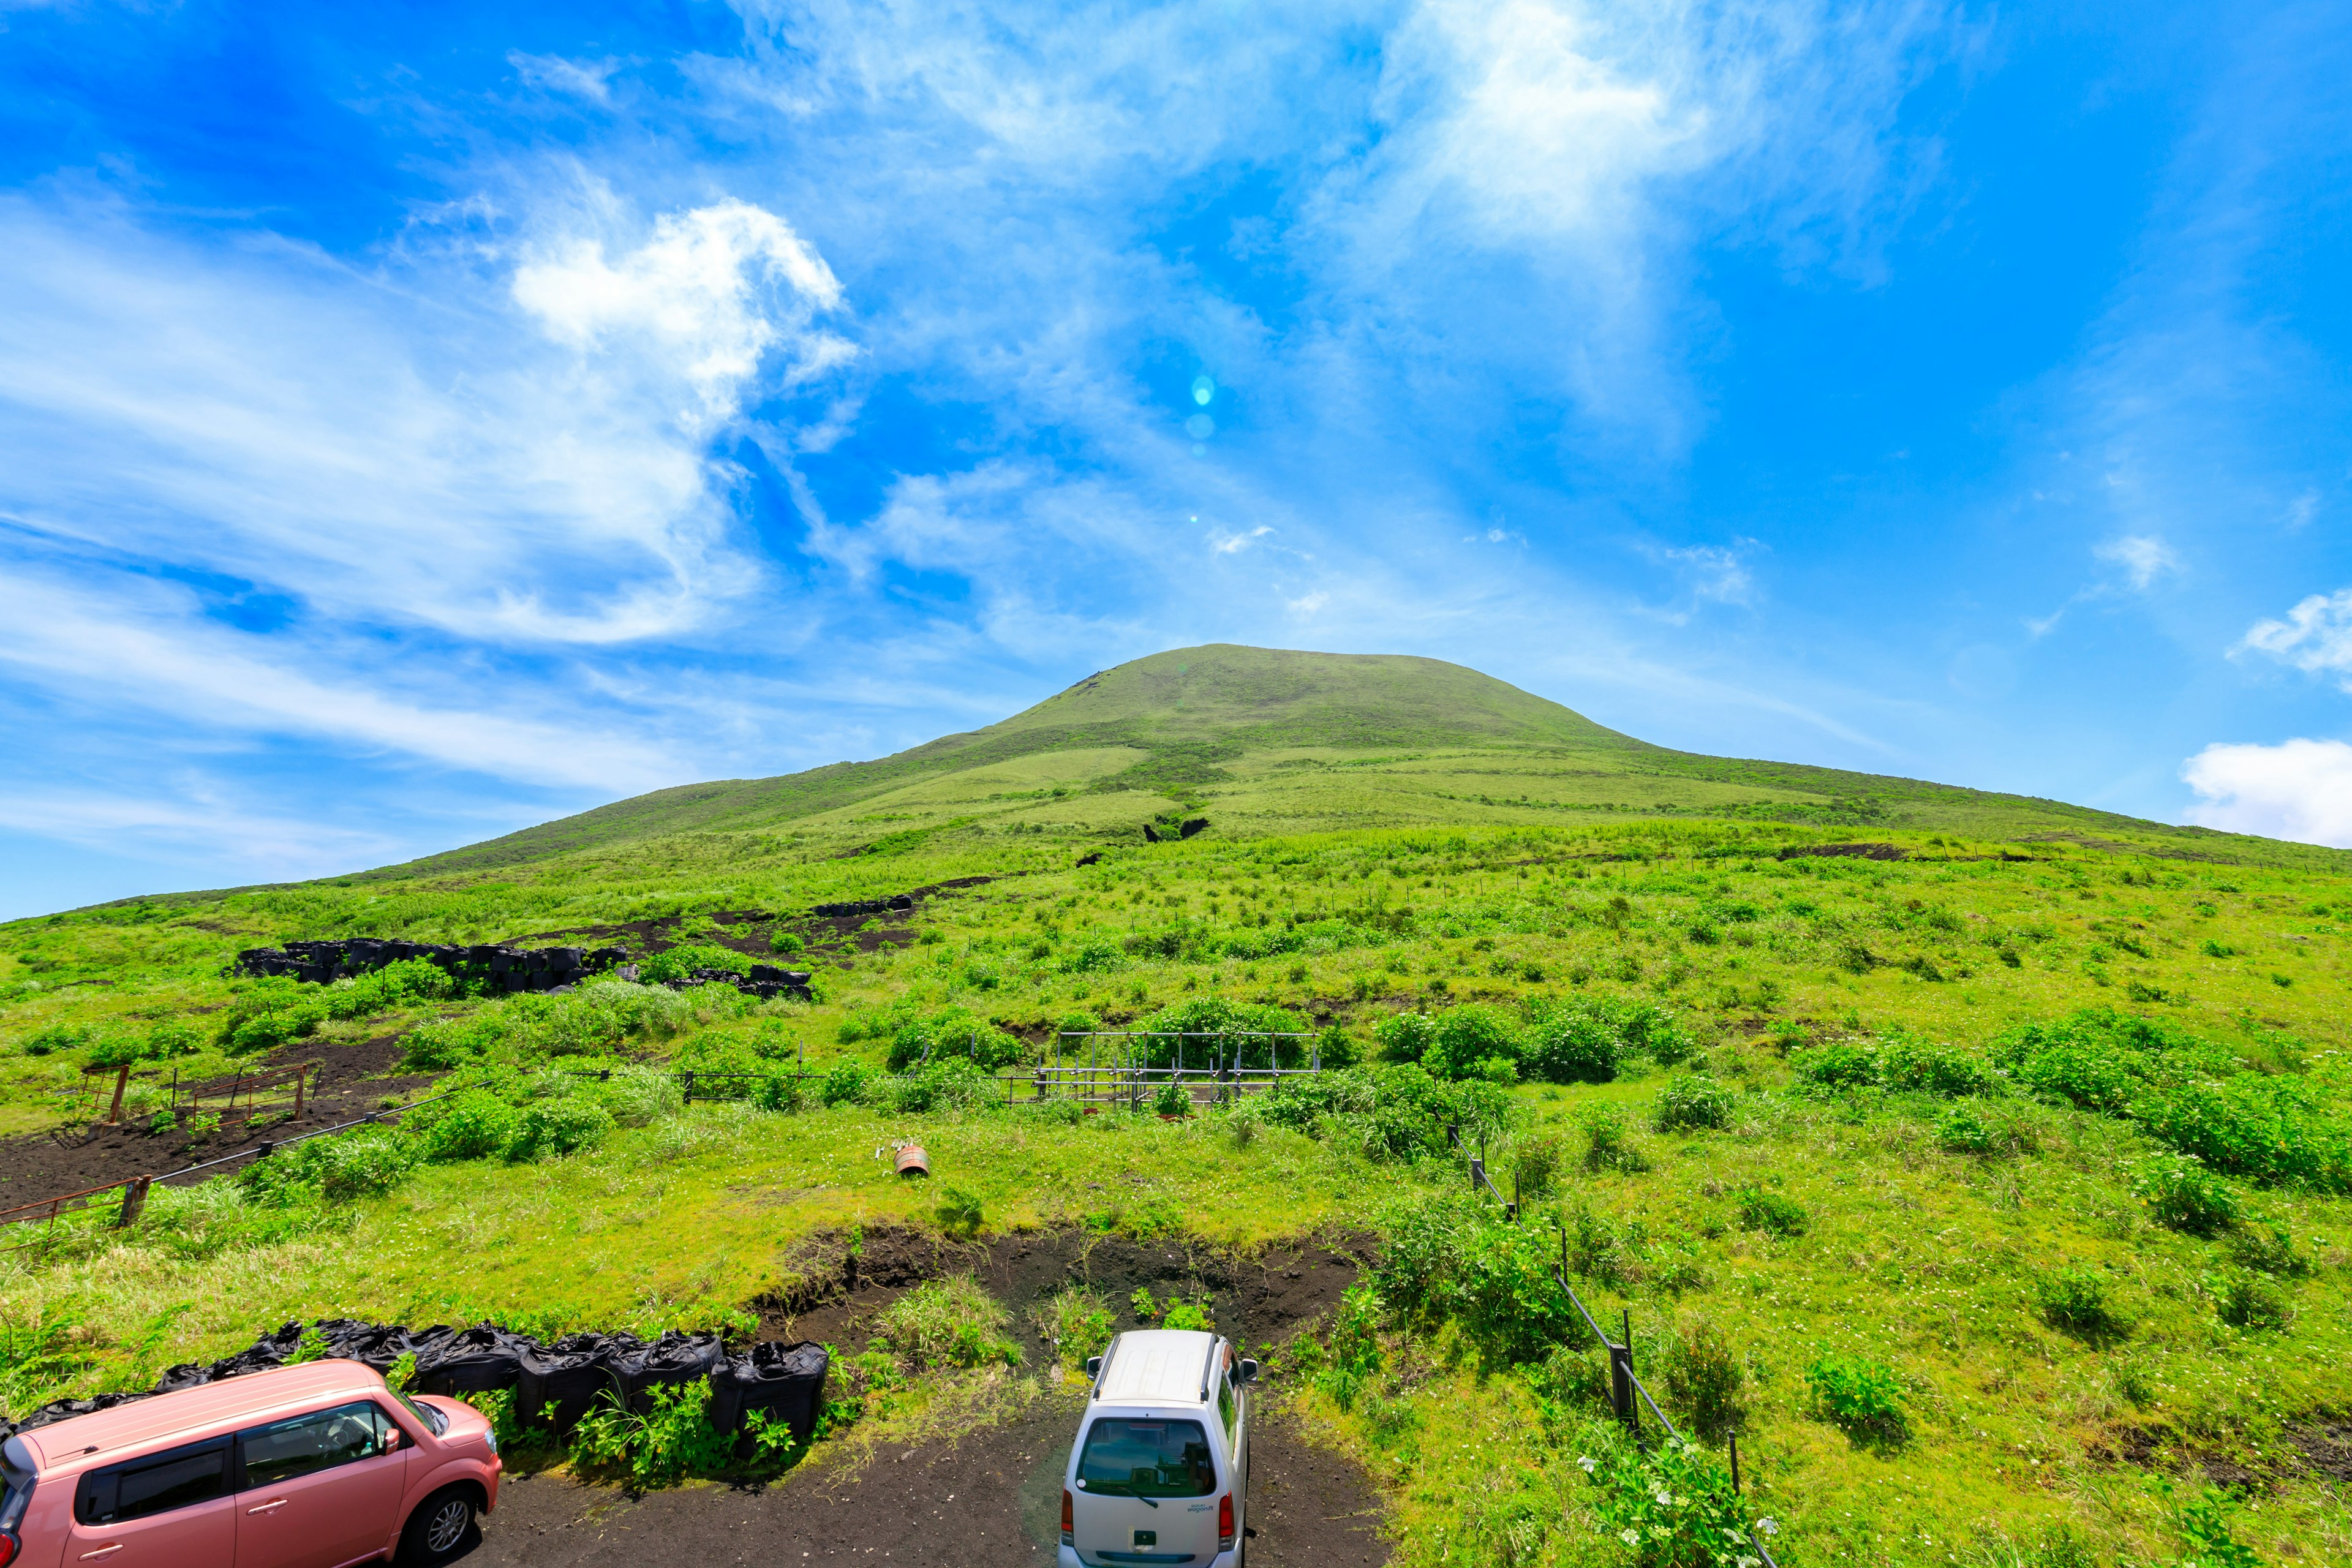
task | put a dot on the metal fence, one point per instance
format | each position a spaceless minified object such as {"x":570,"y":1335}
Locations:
{"x":1627,"y":1393}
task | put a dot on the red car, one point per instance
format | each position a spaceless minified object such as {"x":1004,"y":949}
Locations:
{"x":317,"y":1466}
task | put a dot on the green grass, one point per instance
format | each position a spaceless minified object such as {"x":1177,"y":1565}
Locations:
{"x":1851,"y":1209}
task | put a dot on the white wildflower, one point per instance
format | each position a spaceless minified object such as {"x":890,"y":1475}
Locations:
{"x":1629,"y":1537}
{"x":1590,"y":1464}
{"x":1769,"y":1526}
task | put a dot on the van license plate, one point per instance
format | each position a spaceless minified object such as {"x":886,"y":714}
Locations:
{"x":1147,"y":1538}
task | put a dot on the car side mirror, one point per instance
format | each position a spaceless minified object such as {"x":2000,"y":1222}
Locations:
{"x":1249,"y":1370}
{"x":1094,"y":1366}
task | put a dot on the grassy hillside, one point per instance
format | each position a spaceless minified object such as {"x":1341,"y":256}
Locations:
{"x":1996,"y":1192}
{"x":1266,"y":741}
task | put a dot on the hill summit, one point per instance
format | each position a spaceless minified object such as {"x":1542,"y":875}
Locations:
{"x":1269,"y":741}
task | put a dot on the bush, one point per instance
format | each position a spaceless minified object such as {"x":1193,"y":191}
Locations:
{"x":469,"y":1125}
{"x":1773,"y":1213}
{"x":1217,"y":1015}
{"x":1535,"y":1164}
{"x":849,"y":1082}
{"x":673,"y":1439}
{"x":1690,"y":1101}
{"x":2182,"y":1194}
{"x":1506,"y":1298}
{"x":1908,"y":1061}
{"x":1404,"y":1036}
{"x":565,"y":1124}
{"x":360,"y":1164}
{"x":1464,"y":1038}
{"x":1576,"y":1044}
{"x":680,"y":963}
{"x":1671,"y":1505}
{"x":1960,"y":1131}
{"x":952,"y":1083}
{"x":1076,"y":1322}
{"x":1705,"y":1376}
{"x":954,"y":1032}
{"x":787,"y":943}
{"x":1172,"y":1100}
{"x":1422,"y":1255}
{"x":1606,"y":1147}
{"x":638,"y":1096}
{"x":2074,"y":1301}
{"x":2269,"y":1130}
{"x":1864,"y":1397}
{"x":1838,"y":1064}
{"x":780,"y":1092}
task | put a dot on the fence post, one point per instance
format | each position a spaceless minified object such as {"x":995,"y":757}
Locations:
{"x":301,"y":1077}
{"x":1621,"y":1380}
{"x":134,"y":1198}
{"x":687,"y":1098}
{"x":121,"y":1082}
{"x":1735,"y":1463}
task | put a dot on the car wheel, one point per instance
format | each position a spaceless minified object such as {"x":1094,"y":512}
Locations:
{"x":438,"y":1528}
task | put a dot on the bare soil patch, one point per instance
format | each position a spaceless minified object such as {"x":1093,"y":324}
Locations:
{"x":1257,"y":1298}
{"x":354,"y":1079}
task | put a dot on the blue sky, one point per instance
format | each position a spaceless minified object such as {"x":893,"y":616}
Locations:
{"x":417,"y":423}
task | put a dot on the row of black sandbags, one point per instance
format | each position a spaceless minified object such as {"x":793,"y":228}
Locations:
{"x":555,"y":1385}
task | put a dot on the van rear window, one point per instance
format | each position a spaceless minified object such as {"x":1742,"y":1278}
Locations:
{"x":155,"y":1484}
{"x":1126,"y":1456}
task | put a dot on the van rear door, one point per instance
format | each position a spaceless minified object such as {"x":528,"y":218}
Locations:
{"x":1146,"y":1492}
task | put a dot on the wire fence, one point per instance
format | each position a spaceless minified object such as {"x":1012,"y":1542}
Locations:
{"x":1627,"y":1393}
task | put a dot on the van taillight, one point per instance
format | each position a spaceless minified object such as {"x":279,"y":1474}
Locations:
{"x":1224,"y":1521}
{"x":1069,"y":1524}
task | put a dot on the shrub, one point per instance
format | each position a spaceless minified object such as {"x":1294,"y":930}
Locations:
{"x":1690,"y":1101}
{"x":1773,"y":1213}
{"x":1234,"y":1023}
{"x":1404,"y":1036}
{"x":2182,"y":1194}
{"x":1076,"y":1322}
{"x":1908,"y":1061}
{"x":1864,"y":1397}
{"x":472,"y":1123}
{"x":338,"y":1170}
{"x":673,"y":1439}
{"x":1172,"y":1099}
{"x":849,"y":1082}
{"x":1960,"y":1131}
{"x":1462,"y":1038}
{"x":1606,"y":1147}
{"x":1335,"y":1047}
{"x":780,"y":1093}
{"x":1506,"y":1298}
{"x":1705,"y":1376}
{"x":2074,"y":1301}
{"x":2269,"y":1130}
{"x":638,"y":1096}
{"x":954,"y":1032}
{"x":953,"y":1083}
{"x":2269,"y":1247}
{"x":1577,"y":1044}
{"x":1669,"y":1504}
{"x":787,"y":943}
{"x":1535,"y":1164}
{"x":1838,"y":1064}
{"x":1422,"y":1257}
{"x":564,"y":1124}
{"x":1099,"y":956}
{"x":680,"y":963}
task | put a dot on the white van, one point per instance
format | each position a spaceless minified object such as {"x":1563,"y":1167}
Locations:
{"x":1160,"y":1472}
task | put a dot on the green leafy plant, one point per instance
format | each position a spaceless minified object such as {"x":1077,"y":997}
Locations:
{"x":1669,"y":1506}
{"x":1691,"y":1101}
{"x":1076,"y":1322}
{"x":2074,"y":1301}
{"x":1864,"y":1397}
{"x":671,"y":1439}
{"x":1773,"y":1213}
{"x":958,"y":1212}
{"x":2181,"y":1195}
{"x":950,"y":1322}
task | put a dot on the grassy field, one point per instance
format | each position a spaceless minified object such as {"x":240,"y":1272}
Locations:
{"x":1995,"y":1194}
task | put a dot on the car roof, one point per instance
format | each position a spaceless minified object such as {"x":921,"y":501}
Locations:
{"x":1156,"y":1366}
{"x":192,"y":1410}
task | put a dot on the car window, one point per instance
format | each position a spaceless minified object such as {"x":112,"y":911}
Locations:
{"x":1126,"y":1456}
{"x":157,"y":1483}
{"x":1229,"y":1407}
{"x":318,"y":1441}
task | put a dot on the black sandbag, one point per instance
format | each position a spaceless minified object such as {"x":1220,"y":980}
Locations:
{"x":376,"y":1344}
{"x":786,"y":1383}
{"x":269,"y":1351}
{"x":187,"y":1375}
{"x":561,"y":1383}
{"x":473,"y":1360}
{"x":674,"y":1358}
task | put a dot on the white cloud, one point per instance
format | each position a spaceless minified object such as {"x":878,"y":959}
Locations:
{"x":1716,"y":572}
{"x":156,"y":653}
{"x":2316,"y":636}
{"x":591,"y":80}
{"x":1223,"y":544}
{"x":195,"y":827}
{"x":526,"y":458}
{"x":1308,"y":604}
{"x":693,"y":295}
{"x":2143,"y":557}
{"x":2299,"y":790}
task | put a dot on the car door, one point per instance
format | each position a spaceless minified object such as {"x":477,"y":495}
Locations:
{"x":320,"y":1489}
{"x":167,"y":1510}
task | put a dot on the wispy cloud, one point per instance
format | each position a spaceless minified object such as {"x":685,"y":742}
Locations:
{"x":2316,"y":636}
{"x":2143,"y":557}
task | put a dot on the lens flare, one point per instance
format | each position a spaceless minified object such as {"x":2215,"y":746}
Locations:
{"x":1203,"y":389}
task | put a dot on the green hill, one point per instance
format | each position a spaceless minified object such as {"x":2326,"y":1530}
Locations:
{"x":1266,"y":741}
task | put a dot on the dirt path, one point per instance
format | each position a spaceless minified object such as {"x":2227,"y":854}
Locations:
{"x":992,"y":1497}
